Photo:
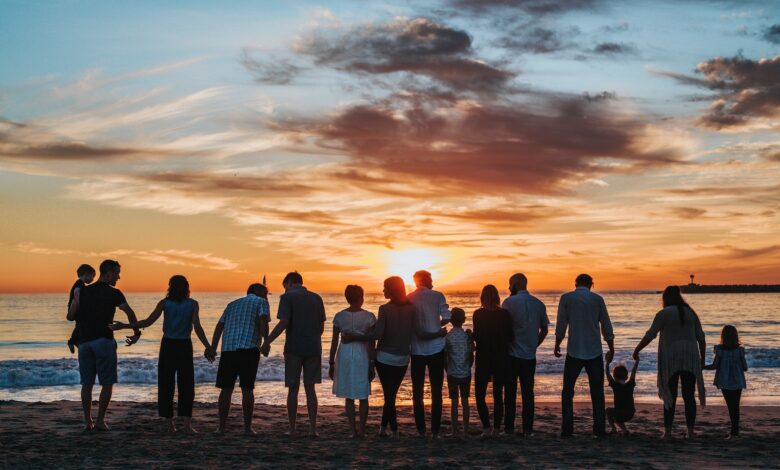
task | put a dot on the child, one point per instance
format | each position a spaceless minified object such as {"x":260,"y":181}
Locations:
{"x":351,"y":364}
{"x":730,"y":365}
{"x":460,"y":357}
{"x":623,"y":388}
{"x":86,"y":274}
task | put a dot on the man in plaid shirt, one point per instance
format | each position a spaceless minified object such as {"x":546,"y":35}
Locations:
{"x":241,"y":326}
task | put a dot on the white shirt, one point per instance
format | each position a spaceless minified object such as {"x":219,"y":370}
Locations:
{"x":582,"y":311}
{"x":431,"y":309}
{"x":528,"y":316}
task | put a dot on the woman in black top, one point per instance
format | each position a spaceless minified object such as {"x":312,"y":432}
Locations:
{"x":493,"y":336}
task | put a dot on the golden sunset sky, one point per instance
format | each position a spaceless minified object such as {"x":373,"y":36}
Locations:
{"x":635,"y":141}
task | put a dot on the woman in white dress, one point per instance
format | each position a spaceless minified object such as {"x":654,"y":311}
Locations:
{"x":351,"y":364}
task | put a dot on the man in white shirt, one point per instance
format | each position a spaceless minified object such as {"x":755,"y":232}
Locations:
{"x":431,"y":313}
{"x":529,"y":325}
{"x":584,"y":313}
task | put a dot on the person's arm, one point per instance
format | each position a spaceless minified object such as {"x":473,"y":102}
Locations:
{"x":212,"y":353}
{"x":606,"y":329}
{"x":198,"y":327}
{"x":743,"y":357}
{"x":714,"y":365}
{"x":375,"y":333}
{"x":74,"y":306}
{"x":700,"y":339}
{"x":131,"y":340}
{"x":284,"y":314}
{"x":444,"y":312}
{"x":561,"y":324}
{"x":437,"y":334}
{"x":610,"y":379}
{"x":633,"y":370}
{"x":371,"y":360}
{"x":544,"y":329}
{"x":149,"y":321}
{"x":334,"y":345}
{"x":658,"y":323}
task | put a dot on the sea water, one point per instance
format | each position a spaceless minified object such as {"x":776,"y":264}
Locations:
{"x":35,"y":364}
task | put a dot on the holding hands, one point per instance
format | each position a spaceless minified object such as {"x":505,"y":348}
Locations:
{"x":557,"y":350}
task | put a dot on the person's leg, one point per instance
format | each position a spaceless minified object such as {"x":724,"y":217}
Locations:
{"x":510,"y":394}
{"x":418,"y":386}
{"x":571,"y":370}
{"x":464,"y":399}
{"x":106,"y":362}
{"x":105,"y":398}
{"x":86,"y":405}
{"x":384,"y":381}
{"x":481,"y":377}
{"x":87,"y":372}
{"x":595,"y":369}
{"x":293,"y":367}
{"x":436,"y":376}
{"x":611,"y":418}
{"x":395,"y":385}
{"x":248,"y":407}
{"x":225,"y":396}
{"x":363,"y":417}
{"x":312,"y":375}
{"x":499,"y":376}
{"x":453,"y":388}
{"x":732,"y":398}
{"x":674,"y":381}
{"x":527,"y":373}
{"x":227,"y":373}
{"x":186,"y":382}
{"x":688,"y":382}
{"x":311,"y":406}
{"x":166,"y":375}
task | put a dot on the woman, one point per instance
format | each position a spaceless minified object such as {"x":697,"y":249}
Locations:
{"x":351,"y":364}
{"x":175,"y":363}
{"x":394,"y":329}
{"x":493,"y":336}
{"x":679,"y":358}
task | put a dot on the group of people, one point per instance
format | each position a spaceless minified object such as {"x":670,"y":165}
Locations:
{"x":408,"y":331}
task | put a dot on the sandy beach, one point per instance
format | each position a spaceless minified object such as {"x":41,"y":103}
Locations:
{"x":37,"y":435}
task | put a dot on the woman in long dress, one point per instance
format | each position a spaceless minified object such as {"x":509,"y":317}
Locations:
{"x":351,"y":364}
{"x":680,"y":357}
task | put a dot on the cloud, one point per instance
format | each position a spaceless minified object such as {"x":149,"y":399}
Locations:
{"x":415,"y":45}
{"x":533,"y":7}
{"x":270,"y":70}
{"x":620,"y":27}
{"x":614,"y":49}
{"x":687,"y":212}
{"x":69,"y":151}
{"x":745,"y":90}
{"x":772,"y":34}
{"x":738,"y":253}
{"x":539,"y":40}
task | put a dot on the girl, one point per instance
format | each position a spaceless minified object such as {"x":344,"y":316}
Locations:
{"x":175,"y":363}
{"x":351,"y":364}
{"x":730,"y":366}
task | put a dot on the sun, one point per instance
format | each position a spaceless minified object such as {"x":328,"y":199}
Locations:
{"x":405,"y":262}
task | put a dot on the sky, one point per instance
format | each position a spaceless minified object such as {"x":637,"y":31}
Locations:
{"x":635,"y":141}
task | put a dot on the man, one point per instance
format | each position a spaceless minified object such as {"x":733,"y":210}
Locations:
{"x":94,"y":307}
{"x":583,"y":312}
{"x":529,"y":324}
{"x":302,"y":315}
{"x":241,"y":326}
{"x":432,"y":312}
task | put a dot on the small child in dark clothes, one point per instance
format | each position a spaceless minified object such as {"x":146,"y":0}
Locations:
{"x":623,"y":388}
{"x":86,"y":274}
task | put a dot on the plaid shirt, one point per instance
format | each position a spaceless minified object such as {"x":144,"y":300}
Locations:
{"x":240,"y":319}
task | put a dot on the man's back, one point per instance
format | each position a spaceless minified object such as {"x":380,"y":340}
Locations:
{"x":306,"y":313}
{"x":97,"y":305}
{"x":528,"y":315}
{"x":585,"y":314}
{"x":240,"y":322}
{"x":430,"y":309}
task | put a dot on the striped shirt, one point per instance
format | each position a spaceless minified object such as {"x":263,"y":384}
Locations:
{"x":240,"y":322}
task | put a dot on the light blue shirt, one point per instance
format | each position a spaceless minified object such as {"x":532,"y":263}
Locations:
{"x":528,"y":315}
{"x":177,"y":321}
{"x":584,"y":313}
{"x":240,"y":322}
{"x":430,"y":309}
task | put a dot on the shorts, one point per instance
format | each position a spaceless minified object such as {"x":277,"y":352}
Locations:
{"x":310,"y":365}
{"x":620,"y":416}
{"x":459,"y":384}
{"x":241,"y":364}
{"x":98,"y":357}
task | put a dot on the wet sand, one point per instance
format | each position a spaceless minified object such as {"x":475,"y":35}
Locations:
{"x":50,"y":435}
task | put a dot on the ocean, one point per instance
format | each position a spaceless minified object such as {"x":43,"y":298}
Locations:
{"x":36,"y":366}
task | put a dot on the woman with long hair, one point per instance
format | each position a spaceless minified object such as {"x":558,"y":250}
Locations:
{"x":680,"y":357}
{"x":175,"y":364}
{"x":493,"y":335}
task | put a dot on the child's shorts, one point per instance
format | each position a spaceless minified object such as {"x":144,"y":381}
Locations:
{"x":621,"y":416}
{"x":459,"y":384}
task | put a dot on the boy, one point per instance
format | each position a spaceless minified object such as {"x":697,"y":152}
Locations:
{"x":623,"y":388}
{"x":86,"y":274}
{"x":460,"y":357}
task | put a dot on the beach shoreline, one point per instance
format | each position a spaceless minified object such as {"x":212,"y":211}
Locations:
{"x":50,"y":434}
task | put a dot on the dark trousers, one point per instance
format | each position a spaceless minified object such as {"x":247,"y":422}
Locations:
{"x":485,"y":371}
{"x":732,"y":401}
{"x":523,"y":370}
{"x":390,"y":377}
{"x":435,"y":365}
{"x":175,"y":368}
{"x":689,"y":397}
{"x":571,"y":371}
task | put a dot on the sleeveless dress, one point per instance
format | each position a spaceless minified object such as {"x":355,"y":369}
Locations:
{"x":350,"y":379}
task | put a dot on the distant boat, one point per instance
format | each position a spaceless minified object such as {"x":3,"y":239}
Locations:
{"x":693,"y":288}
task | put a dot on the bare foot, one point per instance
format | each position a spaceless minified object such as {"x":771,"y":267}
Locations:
{"x":250,"y":431}
{"x":395,"y":435}
{"x":353,"y":436}
{"x":101,"y":426}
{"x":189,"y":430}
{"x":291,"y":434}
{"x":313,"y":433}
{"x":171,"y":427}
{"x":689,"y":435}
{"x":487,"y":433}
{"x":667,"y":436}
{"x":220,"y":431}
{"x":383,"y":432}
{"x":89,"y":426}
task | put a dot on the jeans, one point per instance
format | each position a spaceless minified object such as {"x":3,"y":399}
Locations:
{"x":688,"y":393}
{"x":435,"y":365}
{"x":486,"y":370}
{"x":732,"y":401}
{"x":175,"y":368}
{"x":524,"y":370}
{"x":390,"y":377}
{"x":571,"y":371}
